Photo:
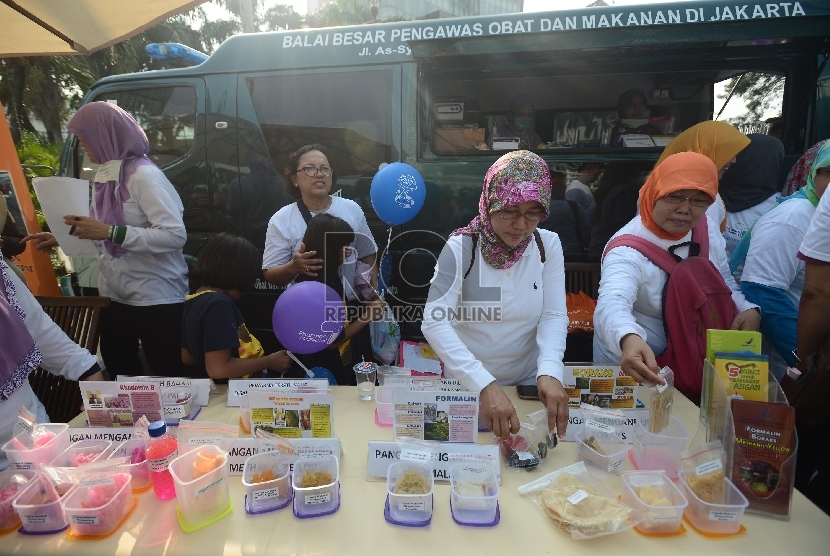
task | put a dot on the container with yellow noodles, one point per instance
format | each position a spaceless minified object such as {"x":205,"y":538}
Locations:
{"x":409,"y":494}
{"x":316,"y":484}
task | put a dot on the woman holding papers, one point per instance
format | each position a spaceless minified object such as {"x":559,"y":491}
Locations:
{"x":137,"y":223}
{"x":496,"y":312}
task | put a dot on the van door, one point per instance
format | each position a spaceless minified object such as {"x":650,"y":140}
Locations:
{"x":169,"y":113}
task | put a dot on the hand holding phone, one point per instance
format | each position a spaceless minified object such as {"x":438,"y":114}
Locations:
{"x":527,"y":391}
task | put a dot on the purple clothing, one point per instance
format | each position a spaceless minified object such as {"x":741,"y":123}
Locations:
{"x":111,"y":134}
{"x":19,"y":355}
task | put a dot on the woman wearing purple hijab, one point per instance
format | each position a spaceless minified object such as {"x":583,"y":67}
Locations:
{"x":137,"y":223}
{"x":28,"y":339}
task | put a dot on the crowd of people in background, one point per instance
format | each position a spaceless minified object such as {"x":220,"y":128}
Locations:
{"x":712,"y":202}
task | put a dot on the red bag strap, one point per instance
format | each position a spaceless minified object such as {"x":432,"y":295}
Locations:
{"x":700,"y":235}
{"x":656,"y":254}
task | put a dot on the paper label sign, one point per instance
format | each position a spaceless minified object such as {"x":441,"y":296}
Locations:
{"x":243,"y":448}
{"x":436,"y":416}
{"x":84,"y":519}
{"x":267,"y":493}
{"x":597,"y":426}
{"x":37,"y":519}
{"x":98,"y":481}
{"x":206,"y":488}
{"x":322,"y":498}
{"x":708,"y":467}
{"x":415,"y":455}
{"x":723,"y":516}
{"x":638,"y":442}
{"x":101,"y":433}
{"x":577,"y":497}
{"x":120,"y":404}
{"x":412,"y":506}
{"x":240,"y":387}
{"x":615,"y":465}
{"x":201,"y":386}
{"x":292,"y":414}
{"x":383,"y":454}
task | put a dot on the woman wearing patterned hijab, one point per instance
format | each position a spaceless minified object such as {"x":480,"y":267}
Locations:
{"x":137,"y":223}
{"x":496,"y":311}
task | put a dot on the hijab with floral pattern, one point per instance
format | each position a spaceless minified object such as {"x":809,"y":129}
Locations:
{"x":515,"y":178}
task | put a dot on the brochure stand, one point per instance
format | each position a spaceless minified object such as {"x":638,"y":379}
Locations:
{"x":770,"y":490}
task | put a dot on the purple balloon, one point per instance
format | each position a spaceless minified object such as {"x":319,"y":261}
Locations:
{"x":308,"y":317}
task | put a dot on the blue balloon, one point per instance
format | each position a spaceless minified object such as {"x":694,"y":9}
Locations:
{"x":397,"y":193}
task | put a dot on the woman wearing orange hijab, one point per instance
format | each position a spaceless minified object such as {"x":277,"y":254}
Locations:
{"x":628,"y":322}
{"x":720,"y":143}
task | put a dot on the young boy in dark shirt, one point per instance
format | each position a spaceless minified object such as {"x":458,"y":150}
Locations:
{"x":214,"y":335}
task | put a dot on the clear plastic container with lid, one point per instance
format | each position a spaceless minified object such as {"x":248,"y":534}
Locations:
{"x":615,"y":451}
{"x":98,"y":504}
{"x":25,"y":452}
{"x":385,"y":405}
{"x":40,"y":508}
{"x":11,"y":485}
{"x":657,"y":498}
{"x":412,"y":509}
{"x":659,"y":451}
{"x":162,"y":449}
{"x":321,"y":494}
{"x":267,"y":481}
{"x":81,"y":452}
{"x":136,"y":450}
{"x":719,"y":519}
{"x":474,"y":499}
{"x":201,"y":482}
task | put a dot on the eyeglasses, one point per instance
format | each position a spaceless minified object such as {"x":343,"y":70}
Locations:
{"x":823,"y":172}
{"x":675,"y":199}
{"x":311,"y":171}
{"x":514,"y":215}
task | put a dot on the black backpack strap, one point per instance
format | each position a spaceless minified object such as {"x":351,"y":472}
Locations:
{"x":306,"y":214}
{"x":472,"y":254}
{"x":539,"y":244}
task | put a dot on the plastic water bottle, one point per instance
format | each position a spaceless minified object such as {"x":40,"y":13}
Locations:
{"x":161,"y":450}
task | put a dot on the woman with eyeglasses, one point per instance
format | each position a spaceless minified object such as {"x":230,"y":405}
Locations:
{"x":629,"y":321}
{"x":496,"y":312}
{"x":309,"y":178}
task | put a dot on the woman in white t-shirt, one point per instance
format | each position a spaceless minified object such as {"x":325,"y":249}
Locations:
{"x":773,"y":275}
{"x":496,"y":313}
{"x":309,"y":179}
{"x":138,"y":225}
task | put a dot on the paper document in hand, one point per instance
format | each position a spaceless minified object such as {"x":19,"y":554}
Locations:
{"x":58,"y":197}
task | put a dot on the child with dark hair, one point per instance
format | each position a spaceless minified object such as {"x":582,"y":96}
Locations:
{"x":331,"y":238}
{"x":214,"y":335}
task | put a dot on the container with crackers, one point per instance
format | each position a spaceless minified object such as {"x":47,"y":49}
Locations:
{"x":578,"y":504}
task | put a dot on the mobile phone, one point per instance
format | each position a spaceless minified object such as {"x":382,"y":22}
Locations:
{"x":527,"y":392}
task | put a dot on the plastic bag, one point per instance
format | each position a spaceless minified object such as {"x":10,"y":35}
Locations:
{"x":603,"y":441}
{"x":579,"y":504}
{"x":528,"y":448}
{"x":661,"y":401}
{"x":580,"y":312}
{"x":193,"y":434}
{"x":386,"y":337}
{"x":703,"y":471}
{"x":64,"y":478}
{"x":270,"y":442}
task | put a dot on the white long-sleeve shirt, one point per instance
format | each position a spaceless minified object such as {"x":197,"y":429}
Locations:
{"x":61,"y":356}
{"x":525,"y":337}
{"x":631,"y":290}
{"x":152,"y":272}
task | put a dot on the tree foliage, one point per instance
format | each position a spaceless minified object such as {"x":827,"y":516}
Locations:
{"x":761,"y":92}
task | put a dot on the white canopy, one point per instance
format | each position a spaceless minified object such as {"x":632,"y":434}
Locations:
{"x":47,"y":27}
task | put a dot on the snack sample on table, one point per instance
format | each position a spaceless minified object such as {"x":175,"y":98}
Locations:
{"x":412,"y":482}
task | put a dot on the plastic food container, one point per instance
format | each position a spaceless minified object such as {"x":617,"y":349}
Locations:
{"x":662,"y":519}
{"x":135,"y":450}
{"x":97,"y":505}
{"x":660,"y":452}
{"x":39,"y":517}
{"x":319,"y":500}
{"x":266,"y":496}
{"x":616,"y":451}
{"x":385,"y":405}
{"x":201,"y":497}
{"x":720,"y":519}
{"x":10,"y":488}
{"x":81,"y":452}
{"x":386,"y":371}
{"x":179,"y":405}
{"x":24,"y":460}
{"x":467,"y":506}
{"x":414,"y":510}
